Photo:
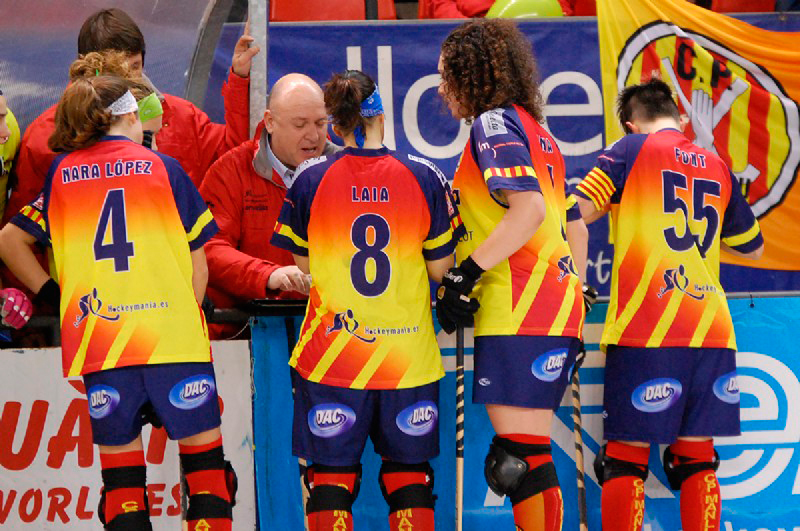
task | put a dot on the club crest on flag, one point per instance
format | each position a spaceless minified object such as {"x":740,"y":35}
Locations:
{"x":736,"y":108}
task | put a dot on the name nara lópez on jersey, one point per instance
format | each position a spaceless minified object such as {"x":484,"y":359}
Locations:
{"x":87,"y":172}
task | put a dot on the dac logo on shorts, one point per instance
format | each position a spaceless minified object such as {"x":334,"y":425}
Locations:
{"x":737,"y":108}
{"x":548,"y":366}
{"x":330,"y":420}
{"x":726,"y":388}
{"x":102,"y":400}
{"x":418,"y":419}
{"x":656,"y":395}
{"x":192,"y":392}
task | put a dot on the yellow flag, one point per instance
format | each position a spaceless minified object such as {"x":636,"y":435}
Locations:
{"x":738,"y":84}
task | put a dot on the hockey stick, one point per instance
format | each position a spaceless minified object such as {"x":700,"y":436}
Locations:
{"x":459,"y":428}
{"x":578,"y":430}
{"x":303,"y":464}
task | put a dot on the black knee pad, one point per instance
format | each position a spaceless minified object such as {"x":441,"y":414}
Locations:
{"x":135,"y":521}
{"x":678,"y":470}
{"x":607,"y":467}
{"x":209,"y":505}
{"x":416,"y":496}
{"x":126,"y":477}
{"x":508,"y":474}
{"x":331,"y":497}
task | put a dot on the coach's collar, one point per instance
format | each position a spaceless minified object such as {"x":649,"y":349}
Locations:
{"x":265,"y":162}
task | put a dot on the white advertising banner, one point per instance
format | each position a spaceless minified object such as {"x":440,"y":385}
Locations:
{"x":50,"y":470}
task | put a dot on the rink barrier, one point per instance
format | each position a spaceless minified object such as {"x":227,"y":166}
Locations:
{"x":759,"y":475}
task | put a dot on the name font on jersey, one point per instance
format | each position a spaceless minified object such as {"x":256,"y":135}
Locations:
{"x":370,"y":194}
{"x":87,"y":172}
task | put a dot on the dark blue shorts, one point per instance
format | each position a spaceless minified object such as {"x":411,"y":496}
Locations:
{"x":523,"y":371}
{"x":331,"y":424}
{"x":182,"y":395}
{"x":659,"y":394}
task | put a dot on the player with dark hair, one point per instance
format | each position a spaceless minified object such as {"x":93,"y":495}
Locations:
{"x":127,"y":228}
{"x":669,"y":340}
{"x":371,"y":226}
{"x":517,"y":261}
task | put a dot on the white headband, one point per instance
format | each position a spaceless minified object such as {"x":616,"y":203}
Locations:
{"x":125,"y":104}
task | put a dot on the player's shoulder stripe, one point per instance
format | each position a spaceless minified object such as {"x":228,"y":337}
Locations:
{"x":430,"y":165}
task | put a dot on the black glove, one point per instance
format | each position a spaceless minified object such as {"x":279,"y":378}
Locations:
{"x":208,"y":308}
{"x":589,"y":297}
{"x":454,"y":306}
{"x":49,"y":293}
{"x":580,"y":358}
{"x":462,"y":278}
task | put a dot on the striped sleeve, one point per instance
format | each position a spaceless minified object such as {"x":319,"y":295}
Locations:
{"x":32,"y":219}
{"x":598,"y":187}
{"x":501,"y":149}
{"x":604,"y":183}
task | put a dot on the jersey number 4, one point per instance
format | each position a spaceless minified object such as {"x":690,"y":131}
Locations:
{"x":370,"y":234}
{"x":673,"y":181}
{"x":118,"y":247}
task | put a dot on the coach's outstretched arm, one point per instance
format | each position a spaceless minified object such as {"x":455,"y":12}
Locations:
{"x":16,"y":251}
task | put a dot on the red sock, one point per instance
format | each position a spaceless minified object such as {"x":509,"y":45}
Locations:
{"x":211,"y":481}
{"x":416,"y":518}
{"x":126,"y":500}
{"x":622,"y":500}
{"x":543,"y":511}
{"x":700,"y":497}
{"x":336,"y":520}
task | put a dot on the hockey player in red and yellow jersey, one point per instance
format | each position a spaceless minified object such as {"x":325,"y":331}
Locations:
{"x":670,"y":366}
{"x":516,"y":256}
{"x":370,"y":226}
{"x":127,"y":228}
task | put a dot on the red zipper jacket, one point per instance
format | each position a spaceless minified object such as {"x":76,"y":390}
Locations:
{"x":245,"y":194}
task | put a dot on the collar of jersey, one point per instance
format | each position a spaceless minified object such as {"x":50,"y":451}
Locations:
{"x":672,"y":129}
{"x":115,"y":137}
{"x":362,"y":152}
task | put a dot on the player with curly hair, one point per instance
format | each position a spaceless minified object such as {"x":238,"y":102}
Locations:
{"x":516,"y":262}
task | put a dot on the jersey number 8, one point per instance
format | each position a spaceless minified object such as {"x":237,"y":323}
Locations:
{"x":359,"y":235}
{"x":118,"y":248}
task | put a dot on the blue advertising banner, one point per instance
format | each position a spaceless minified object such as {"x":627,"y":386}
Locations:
{"x":759,"y":473}
{"x":402,"y":57}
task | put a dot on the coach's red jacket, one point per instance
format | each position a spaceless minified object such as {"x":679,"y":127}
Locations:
{"x":245,"y":194}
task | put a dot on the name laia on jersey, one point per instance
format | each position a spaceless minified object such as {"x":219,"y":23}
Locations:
{"x":370,"y":194}
{"x":86,"y":172}
{"x":685,"y":157}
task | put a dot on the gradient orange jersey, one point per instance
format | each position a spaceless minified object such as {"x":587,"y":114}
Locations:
{"x":368,"y":219}
{"x":122,"y":221}
{"x":536,"y":291}
{"x":671,"y":204}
